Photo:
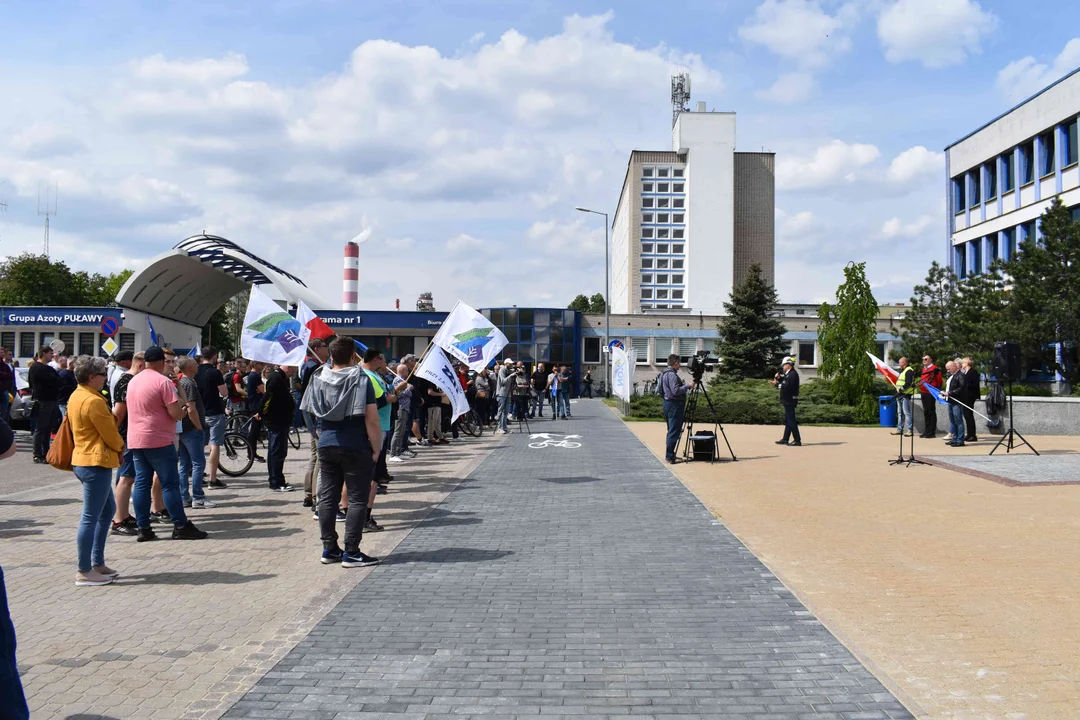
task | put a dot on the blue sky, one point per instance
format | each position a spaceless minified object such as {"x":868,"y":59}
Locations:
{"x":458,"y":136}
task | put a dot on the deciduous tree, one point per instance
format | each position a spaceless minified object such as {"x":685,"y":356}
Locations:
{"x":845,"y":335}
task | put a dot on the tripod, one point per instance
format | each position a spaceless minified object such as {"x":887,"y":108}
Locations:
{"x":1009,"y":438}
{"x":691,"y":408}
{"x":910,"y":460}
{"x":521,"y":409}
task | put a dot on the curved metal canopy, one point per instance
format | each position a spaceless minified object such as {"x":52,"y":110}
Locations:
{"x":190,"y":282}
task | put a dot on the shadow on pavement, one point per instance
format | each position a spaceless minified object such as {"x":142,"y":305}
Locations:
{"x":193,"y":578}
{"x":20,"y":527}
{"x":82,"y":716}
{"x":445,"y":555}
{"x":571,"y":480}
{"x":45,"y":502}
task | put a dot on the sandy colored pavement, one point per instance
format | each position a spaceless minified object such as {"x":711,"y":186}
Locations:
{"x":961,"y":594}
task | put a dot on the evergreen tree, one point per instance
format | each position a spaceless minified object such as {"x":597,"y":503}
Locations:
{"x":846,"y":334}
{"x":580,"y":303}
{"x":596,"y":304}
{"x":926,"y":327}
{"x":751,"y":337}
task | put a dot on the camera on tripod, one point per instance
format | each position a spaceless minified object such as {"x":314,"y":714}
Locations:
{"x":697,"y":365}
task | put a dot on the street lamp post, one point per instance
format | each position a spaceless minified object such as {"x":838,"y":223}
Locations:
{"x":605,"y":351}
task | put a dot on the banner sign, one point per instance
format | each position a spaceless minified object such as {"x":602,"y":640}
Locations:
{"x":470,"y":337}
{"x":67,"y":316}
{"x":621,"y":374}
{"x":272,"y":335}
{"x":436,"y":368}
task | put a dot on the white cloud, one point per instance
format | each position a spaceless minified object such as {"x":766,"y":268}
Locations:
{"x":800,"y":30}
{"x":896,"y":228}
{"x":832,"y":163}
{"x":157,"y":68}
{"x":462,"y":243}
{"x":46,"y":140}
{"x":1023,"y":78}
{"x":914,"y":163}
{"x":936,"y":33}
{"x":790,"y":88}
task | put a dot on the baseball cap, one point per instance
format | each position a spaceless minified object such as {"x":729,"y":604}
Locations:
{"x":408,"y":357}
{"x":508,"y":361}
{"x":154,"y":354}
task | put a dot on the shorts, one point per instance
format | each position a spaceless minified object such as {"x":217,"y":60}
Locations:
{"x":127,"y":465}
{"x":215,"y":428}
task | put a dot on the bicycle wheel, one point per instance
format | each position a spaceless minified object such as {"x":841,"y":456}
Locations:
{"x":294,"y":438}
{"x":478,"y":424}
{"x":235,"y":423}
{"x":237,"y":455}
{"x":469,"y":424}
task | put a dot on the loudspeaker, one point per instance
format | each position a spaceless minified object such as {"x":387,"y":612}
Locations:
{"x":1006,"y":365}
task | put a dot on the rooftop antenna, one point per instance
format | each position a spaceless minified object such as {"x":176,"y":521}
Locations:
{"x":680,"y":95}
{"x":47,"y":206}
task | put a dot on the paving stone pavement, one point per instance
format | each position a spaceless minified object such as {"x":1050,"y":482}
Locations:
{"x":1023,"y":468}
{"x":570,"y":582}
{"x":190,"y":626}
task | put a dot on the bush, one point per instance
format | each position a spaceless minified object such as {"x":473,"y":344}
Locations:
{"x":1021,"y":391}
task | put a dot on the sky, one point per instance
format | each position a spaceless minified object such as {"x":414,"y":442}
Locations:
{"x":457,"y":137}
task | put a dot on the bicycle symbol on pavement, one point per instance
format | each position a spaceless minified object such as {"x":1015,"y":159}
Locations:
{"x":549,"y":441}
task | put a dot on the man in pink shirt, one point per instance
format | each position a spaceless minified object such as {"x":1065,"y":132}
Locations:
{"x":153,"y":407}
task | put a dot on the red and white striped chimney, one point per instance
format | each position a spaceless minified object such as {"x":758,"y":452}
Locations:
{"x":351,"y":285}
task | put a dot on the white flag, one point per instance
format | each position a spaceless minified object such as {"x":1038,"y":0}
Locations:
{"x":436,"y":368}
{"x":272,"y":335}
{"x":470,"y":337}
{"x":621,"y":373}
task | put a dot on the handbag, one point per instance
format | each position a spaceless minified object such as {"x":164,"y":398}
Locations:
{"x":481,"y":393}
{"x":63,"y":447}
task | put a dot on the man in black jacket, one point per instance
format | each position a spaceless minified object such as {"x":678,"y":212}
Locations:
{"x":972,"y":394}
{"x":788,"y":382}
{"x":277,"y":414}
{"x":45,"y":391}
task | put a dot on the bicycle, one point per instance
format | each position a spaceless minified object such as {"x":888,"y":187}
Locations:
{"x":240,"y":422}
{"x":237,"y":454}
{"x":471,"y":424}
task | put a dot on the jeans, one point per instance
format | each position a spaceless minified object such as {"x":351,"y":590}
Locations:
{"x":536,"y":405}
{"x":401,"y":431}
{"x":12,"y":699}
{"x":277,"y":448}
{"x":903,"y":413}
{"x":46,"y":417}
{"x":563,"y":401}
{"x":97,"y":514}
{"x":929,"y":413}
{"x":164,"y":461}
{"x":673,"y":414}
{"x":352,"y":468}
{"x":588,"y":390}
{"x":434,"y":423}
{"x":254,"y":431}
{"x":504,"y":408}
{"x":381,"y":471}
{"x":791,"y":425}
{"x":956,"y":423}
{"x":192,"y":464}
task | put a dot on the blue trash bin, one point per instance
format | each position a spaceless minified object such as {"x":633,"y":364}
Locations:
{"x":887,"y":410}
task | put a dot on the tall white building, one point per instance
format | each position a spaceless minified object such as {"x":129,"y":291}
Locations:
{"x":691,"y":221}
{"x":1004,"y":175}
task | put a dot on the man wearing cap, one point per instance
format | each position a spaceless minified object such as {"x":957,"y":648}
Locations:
{"x":503,"y":389}
{"x":787,"y":380}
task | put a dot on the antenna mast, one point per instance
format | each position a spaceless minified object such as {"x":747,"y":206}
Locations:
{"x":680,"y":95}
{"x":47,"y":206}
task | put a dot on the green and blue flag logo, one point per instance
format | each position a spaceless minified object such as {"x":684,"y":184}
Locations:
{"x":279,"y":327}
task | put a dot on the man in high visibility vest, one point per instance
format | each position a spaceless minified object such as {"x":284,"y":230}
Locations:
{"x":906,"y":387}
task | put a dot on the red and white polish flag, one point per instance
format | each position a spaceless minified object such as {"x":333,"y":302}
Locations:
{"x":884,"y":369}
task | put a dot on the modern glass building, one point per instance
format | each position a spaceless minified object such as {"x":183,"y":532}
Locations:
{"x":547,"y":335}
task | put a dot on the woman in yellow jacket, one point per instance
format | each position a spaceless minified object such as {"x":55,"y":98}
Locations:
{"x":98,"y":447}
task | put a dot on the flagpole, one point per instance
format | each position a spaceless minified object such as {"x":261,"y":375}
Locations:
{"x":424,"y":355}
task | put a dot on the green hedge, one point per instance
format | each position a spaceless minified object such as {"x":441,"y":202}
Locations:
{"x":756,"y":402}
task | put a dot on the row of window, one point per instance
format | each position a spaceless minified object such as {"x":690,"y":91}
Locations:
{"x":663,"y":202}
{"x":648,"y":248}
{"x":661,"y":294}
{"x":975,"y":257}
{"x":662,"y":172}
{"x":663,"y":218}
{"x":663,"y":233}
{"x":515,"y":316}
{"x":1018,"y":165}
{"x":663,"y":187}
{"x":84,"y":343}
{"x":661,"y":279}
{"x":662,"y":263}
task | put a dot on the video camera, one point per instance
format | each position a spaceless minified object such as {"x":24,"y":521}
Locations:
{"x":697,"y":365}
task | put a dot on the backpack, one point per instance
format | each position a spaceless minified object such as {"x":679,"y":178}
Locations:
{"x":658,"y":389}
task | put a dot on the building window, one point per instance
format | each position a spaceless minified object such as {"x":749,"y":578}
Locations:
{"x":68,"y":338}
{"x":646,"y":172}
{"x":880,"y":347}
{"x":677,"y":263}
{"x":662,"y":348}
{"x":663,"y":202}
{"x":662,"y":217}
{"x":975,"y":198}
{"x":678,"y":203}
{"x":660,"y":307}
{"x":646,"y":232}
{"x":992,"y":247}
{"x":86,"y":343}
{"x":127,"y":341}
{"x":646,"y":202}
{"x":662,"y":187}
{"x":960,"y":260}
{"x":646,"y":279}
{"x":646,"y":247}
{"x":958,"y":194}
{"x":646,"y":217}
{"x":1027,"y":162}
{"x":646,"y":293}
{"x":661,"y":294}
{"x":7,"y":342}
{"x":1027,"y":231}
{"x":662,"y":263}
{"x":678,"y":217}
{"x":1046,"y":162}
{"x":1068,"y":152}
{"x":677,"y":172}
{"x":661,"y":248}
{"x":640,"y":348}
{"x":646,"y":263}
{"x":646,"y":187}
{"x":681,"y":187}
{"x":1009,"y":244}
{"x":662,"y":172}
{"x":991,"y":180}
{"x":27,"y":348}
{"x":976,"y":257}
{"x":677,"y":233}
{"x":662,"y":233}
{"x":1008,"y":181}
{"x":677,"y":248}
{"x":676,"y":279}
{"x":806,"y":353}
{"x":676,"y":294}
{"x":661,"y":279}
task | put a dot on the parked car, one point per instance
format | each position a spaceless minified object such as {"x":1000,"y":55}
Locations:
{"x":20,"y":403}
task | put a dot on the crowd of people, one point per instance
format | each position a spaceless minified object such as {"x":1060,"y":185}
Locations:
{"x":959,"y":385}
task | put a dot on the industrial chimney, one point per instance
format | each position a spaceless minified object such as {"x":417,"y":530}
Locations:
{"x":351,"y":285}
